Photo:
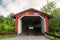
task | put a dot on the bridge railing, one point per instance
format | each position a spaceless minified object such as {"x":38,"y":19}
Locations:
{"x":3,"y":33}
{"x":54,"y":35}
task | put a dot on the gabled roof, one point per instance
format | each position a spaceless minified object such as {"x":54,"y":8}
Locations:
{"x":31,"y":9}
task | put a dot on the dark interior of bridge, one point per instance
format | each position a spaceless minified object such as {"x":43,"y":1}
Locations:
{"x":31,"y":25}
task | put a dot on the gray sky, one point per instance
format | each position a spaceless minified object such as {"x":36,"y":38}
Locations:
{"x":15,"y":6}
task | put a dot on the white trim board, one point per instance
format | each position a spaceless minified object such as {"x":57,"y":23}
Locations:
{"x":20,"y":23}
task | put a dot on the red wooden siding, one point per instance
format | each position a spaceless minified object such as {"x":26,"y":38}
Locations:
{"x":30,"y":13}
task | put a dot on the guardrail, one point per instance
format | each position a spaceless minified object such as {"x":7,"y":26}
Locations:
{"x":54,"y":35}
{"x":3,"y":33}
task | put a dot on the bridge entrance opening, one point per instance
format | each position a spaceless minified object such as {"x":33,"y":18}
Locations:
{"x":32,"y":25}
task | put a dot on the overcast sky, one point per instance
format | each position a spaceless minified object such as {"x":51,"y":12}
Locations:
{"x":15,"y":6}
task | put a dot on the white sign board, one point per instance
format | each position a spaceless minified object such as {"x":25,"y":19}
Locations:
{"x":36,"y":13}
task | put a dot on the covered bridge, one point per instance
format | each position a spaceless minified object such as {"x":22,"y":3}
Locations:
{"x":31,"y":20}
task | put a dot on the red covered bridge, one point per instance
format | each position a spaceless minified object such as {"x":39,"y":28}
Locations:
{"x":31,"y":20}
